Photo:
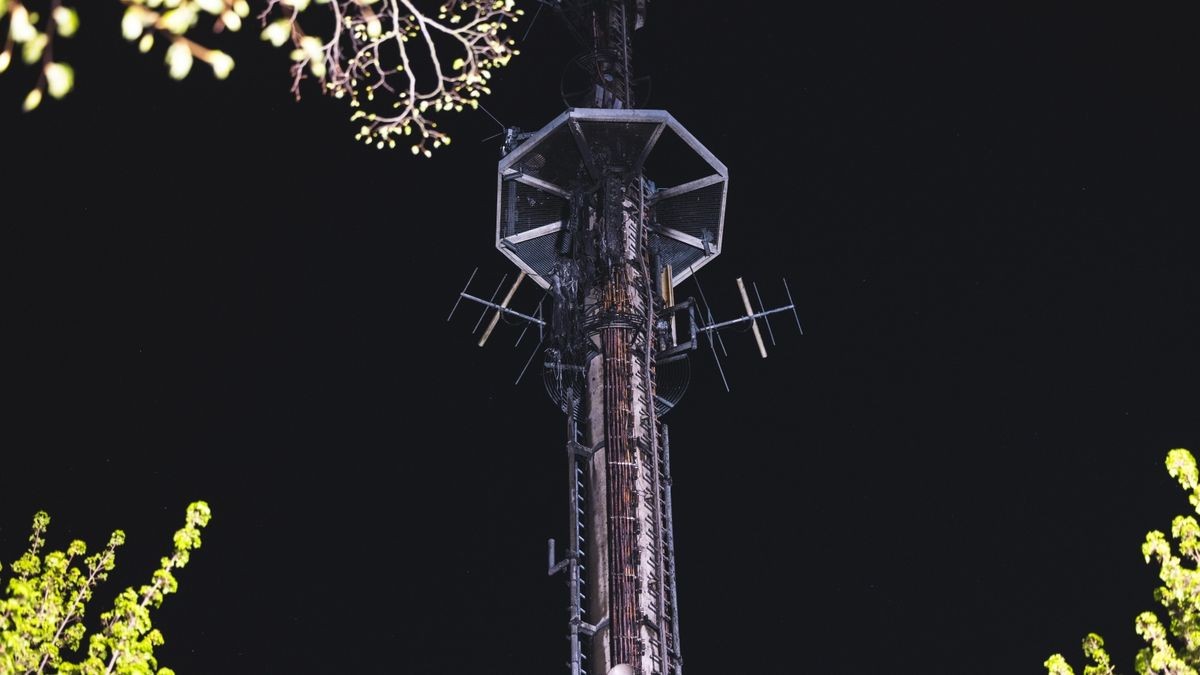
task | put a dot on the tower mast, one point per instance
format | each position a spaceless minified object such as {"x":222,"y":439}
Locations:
{"x":627,"y":481}
{"x":577,"y":214}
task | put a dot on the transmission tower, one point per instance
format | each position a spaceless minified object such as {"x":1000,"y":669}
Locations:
{"x":578,"y":216}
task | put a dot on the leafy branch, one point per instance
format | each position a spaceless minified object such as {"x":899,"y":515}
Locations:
{"x":1173,"y":649}
{"x":396,"y":66}
{"x":34,"y":33}
{"x":41,"y":616}
{"x":377,"y":48}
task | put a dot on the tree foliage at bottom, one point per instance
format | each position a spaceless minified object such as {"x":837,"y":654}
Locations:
{"x":1173,"y":648}
{"x":43,"y":609}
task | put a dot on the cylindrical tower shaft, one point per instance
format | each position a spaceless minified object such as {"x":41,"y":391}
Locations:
{"x":622,"y":317}
{"x":616,"y":411}
{"x":575,"y":212}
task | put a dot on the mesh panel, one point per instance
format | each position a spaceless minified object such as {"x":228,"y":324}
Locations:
{"x":674,"y":162}
{"x":524,"y":207}
{"x":540,"y":253}
{"x":672,"y":382}
{"x":555,"y":159}
{"x":676,"y":253}
{"x":693,"y":212}
{"x":622,"y":142}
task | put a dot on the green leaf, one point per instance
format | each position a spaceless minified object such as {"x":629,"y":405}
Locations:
{"x":221,"y":64}
{"x":232,"y":20}
{"x":32,"y":100}
{"x":179,"y":59}
{"x":277,"y":32}
{"x":60,"y":78}
{"x":132,"y":23}
{"x":1182,"y":466}
{"x":32,"y":49}
{"x":179,"y":20}
{"x":20,"y":27}
{"x":213,"y":7}
{"x":66,"y":20}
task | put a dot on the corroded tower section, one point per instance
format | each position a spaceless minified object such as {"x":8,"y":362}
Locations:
{"x":578,"y":215}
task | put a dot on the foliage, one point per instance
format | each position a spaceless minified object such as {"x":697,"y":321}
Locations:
{"x":372,"y":53}
{"x":1173,"y":649}
{"x":34,"y":33}
{"x":42,"y":612}
{"x":393,"y":64}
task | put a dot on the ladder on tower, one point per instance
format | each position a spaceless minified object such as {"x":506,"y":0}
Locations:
{"x":575,"y":562}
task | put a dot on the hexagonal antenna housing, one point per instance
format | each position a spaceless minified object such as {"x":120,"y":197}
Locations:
{"x":536,"y":181}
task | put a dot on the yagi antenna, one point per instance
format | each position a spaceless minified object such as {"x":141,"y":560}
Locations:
{"x":500,"y":309}
{"x":710,"y":327}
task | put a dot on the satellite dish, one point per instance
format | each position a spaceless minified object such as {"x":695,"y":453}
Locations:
{"x":622,"y":669}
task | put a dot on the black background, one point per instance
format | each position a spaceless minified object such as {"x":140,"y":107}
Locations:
{"x":986,"y":216}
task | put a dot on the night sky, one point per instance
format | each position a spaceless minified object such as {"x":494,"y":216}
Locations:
{"x":987,"y":219}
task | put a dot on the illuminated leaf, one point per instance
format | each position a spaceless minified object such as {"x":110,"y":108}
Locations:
{"x":311,"y":46}
{"x":221,"y":64}
{"x":146,"y":43}
{"x":5,"y":59}
{"x":20,"y":27}
{"x":298,"y":5}
{"x":179,"y":59}
{"x":231,"y":20}
{"x":374,"y":28}
{"x":1182,"y":466}
{"x":277,"y":32}
{"x":32,"y":49}
{"x":212,"y":6}
{"x":131,"y":23}
{"x":179,"y":20}
{"x":67,"y":20}
{"x":59,"y":79}
{"x":32,"y":100}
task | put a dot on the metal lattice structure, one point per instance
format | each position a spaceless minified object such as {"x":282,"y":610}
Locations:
{"x":535,"y":184}
{"x":577,"y":213}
